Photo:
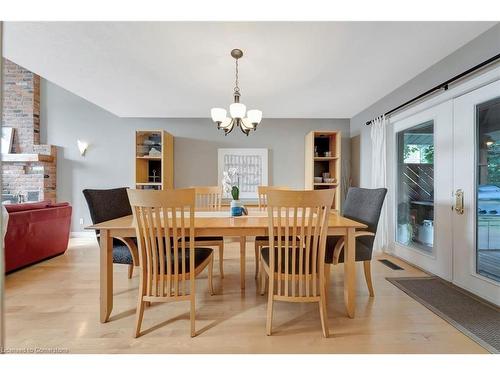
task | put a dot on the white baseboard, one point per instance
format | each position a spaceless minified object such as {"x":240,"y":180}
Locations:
{"x":83,"y":234}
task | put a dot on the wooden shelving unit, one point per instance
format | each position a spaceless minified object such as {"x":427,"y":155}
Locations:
{"x":325,"y":184}
{"x":323,"y":158}
{"x":316,"y":162}
{"x":154,"y":170}
{"x":149,"y":157}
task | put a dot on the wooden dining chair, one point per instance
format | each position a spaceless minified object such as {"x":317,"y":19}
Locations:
{"x":209,"y":198}
{"x":163,"y":220}
{"x":261,"y":241}
{"x":295,"y":260}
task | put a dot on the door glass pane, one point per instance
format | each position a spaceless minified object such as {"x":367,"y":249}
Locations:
{"x":415,"y":176}
{"x":488,"y":189}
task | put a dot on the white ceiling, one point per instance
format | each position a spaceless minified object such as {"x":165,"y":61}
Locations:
{"x":182,"y":69}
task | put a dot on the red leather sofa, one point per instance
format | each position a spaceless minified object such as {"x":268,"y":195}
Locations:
{"x":35,"y":231}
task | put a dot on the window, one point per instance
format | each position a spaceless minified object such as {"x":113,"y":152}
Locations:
{"x":488,"y":189}
{"x":415,"y":227}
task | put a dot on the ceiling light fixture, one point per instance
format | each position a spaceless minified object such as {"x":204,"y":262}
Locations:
{"x":237,"y":110}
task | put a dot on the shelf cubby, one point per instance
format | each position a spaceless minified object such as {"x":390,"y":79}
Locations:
{"x":322,"y":155}
{"x":154,"y":169}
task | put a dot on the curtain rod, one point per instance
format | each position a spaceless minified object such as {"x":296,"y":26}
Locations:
{"x":443,"y":85}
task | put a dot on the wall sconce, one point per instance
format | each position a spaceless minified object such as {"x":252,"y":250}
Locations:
{"x":82,"y":146}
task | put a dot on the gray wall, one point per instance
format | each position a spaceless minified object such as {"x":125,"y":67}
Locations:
{"x":109,"y":161}
{"x":478,"y":50}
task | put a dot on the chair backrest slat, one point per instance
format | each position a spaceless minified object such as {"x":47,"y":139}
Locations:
{"x":309,"y":235}
{"x":298,"y":223}
{"x":170,"y":245}
{"x":316,"y":240}
{"x":161,"y":250}
{"x":294,"y":250}
{"x":301,"y":245}
{"x":287,"y":246}
{"x":280,"y":246}
{"x":163,"y":219}
{"x":154,"y":251}
{"x":183,"y":249}
{"x":208,"y":198}
{"x":262,"y":194}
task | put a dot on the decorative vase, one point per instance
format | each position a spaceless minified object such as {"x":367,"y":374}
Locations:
{"x":236,"y":208}
{"x":426,"y":233}
{"x":404,"y":234}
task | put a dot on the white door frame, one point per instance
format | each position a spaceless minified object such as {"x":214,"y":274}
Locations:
{"x":439,"y":262}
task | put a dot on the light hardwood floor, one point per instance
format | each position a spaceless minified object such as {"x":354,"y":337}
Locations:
{"x":55,"y":304}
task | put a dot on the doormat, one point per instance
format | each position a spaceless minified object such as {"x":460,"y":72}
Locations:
{"x":476,"y":319}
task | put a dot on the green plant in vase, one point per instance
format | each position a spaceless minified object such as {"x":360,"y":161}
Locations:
{"x":230,"y":183}
{"x":235,"y":193}
{"x":236,"y":206}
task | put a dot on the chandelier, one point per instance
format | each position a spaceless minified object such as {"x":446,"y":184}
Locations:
{"x":237,"y":110}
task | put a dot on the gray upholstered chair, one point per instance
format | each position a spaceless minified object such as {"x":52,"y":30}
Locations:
{"x":364,"y":206}
{"x":111,"y":204}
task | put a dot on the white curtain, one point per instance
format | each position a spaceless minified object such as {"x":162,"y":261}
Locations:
{"x":379,"y":177}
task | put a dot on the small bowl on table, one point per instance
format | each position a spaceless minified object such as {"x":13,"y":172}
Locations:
{"x":329,"y":180}
{"x":318,"y":180}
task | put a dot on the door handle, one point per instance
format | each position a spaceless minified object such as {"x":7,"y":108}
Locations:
{"x":459,"y":201}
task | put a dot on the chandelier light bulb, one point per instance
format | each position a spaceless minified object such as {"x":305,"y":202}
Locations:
{"x":246,"y":124}
{"x":218,"y":114}
{"x":254,"y":116}
{"x":226,"y":123}
{"x":237,"y":110}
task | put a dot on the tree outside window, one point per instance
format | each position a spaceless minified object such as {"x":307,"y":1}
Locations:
{"x":418,"y":154}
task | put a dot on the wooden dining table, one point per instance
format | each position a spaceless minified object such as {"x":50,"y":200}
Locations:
{"x":220,"y":223}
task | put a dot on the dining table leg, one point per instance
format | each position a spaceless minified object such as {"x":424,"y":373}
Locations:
{"x":243,"y":243}
{"x":350,"y":272}
{"x":106,"y":279}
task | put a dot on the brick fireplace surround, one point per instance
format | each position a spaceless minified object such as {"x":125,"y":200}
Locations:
{"x":30,"y":169}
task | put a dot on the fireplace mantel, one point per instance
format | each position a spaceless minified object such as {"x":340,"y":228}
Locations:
{"x":19,"y":158}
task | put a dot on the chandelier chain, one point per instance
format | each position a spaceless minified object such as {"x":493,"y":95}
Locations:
{"x":236,"y":87}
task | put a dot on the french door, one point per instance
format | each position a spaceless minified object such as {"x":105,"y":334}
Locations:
{"x":446,"y":190}
{"x":476,"y":216}
{"x":423,"y":183}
